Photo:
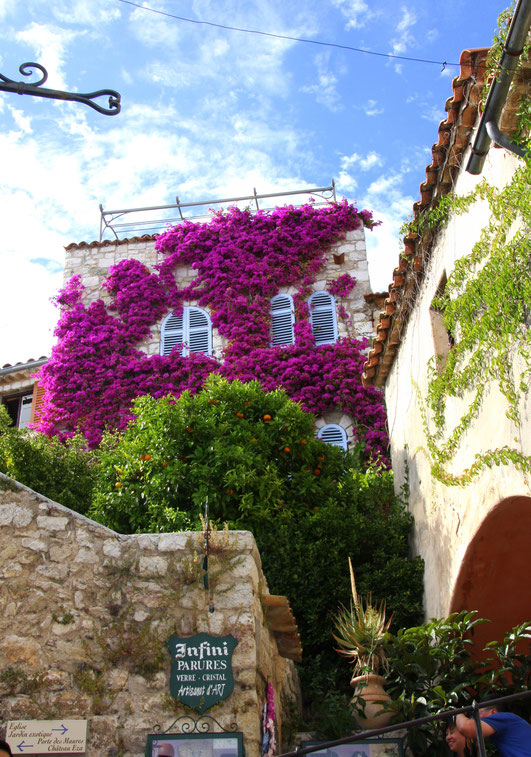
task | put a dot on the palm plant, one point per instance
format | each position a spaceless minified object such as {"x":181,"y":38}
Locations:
{"x":360,"y":632}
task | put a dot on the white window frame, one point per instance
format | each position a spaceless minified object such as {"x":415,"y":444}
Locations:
{"x":333,"y":429}
{"x":323,"y":313}
{"x":188,"y":331}
{"x":282,"y":320}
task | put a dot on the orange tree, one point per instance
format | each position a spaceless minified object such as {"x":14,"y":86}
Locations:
{"x":252,"y":453}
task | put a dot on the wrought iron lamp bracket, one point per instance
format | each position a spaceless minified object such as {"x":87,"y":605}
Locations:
{"x":35,"y":89}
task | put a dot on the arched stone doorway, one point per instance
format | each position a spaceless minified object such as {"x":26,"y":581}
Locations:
{"x":494,"y":578}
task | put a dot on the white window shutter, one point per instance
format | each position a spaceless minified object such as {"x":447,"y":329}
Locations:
{"x":323,"y":317}
{"x":333,"y":434}
{"x":172,"y":333}
{"x":192,"y":330}
{"x":282,"y":320}
{"x":199,"y":331}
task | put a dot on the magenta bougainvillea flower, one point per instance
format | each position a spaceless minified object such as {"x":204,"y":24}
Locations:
{"x":241,"y":261}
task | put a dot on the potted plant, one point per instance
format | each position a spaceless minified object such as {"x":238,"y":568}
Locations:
{"x":360,"y":631}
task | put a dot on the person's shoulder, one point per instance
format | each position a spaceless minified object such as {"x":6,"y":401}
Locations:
{"x":501,"y":720}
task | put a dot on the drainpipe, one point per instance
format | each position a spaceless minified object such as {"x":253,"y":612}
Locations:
{"x":488,"y":129}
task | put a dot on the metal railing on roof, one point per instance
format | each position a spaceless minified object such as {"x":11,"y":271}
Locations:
{"x":473,"y":709}
{"x":114,"y":220}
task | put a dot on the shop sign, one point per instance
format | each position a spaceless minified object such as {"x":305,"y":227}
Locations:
{"x":47,"y":736}
{"x":201,"y":669}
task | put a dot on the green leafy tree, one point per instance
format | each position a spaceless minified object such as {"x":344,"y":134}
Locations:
{"x":64,"y":472}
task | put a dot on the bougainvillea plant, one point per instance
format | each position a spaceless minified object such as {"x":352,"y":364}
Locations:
{"x":241,"y":260}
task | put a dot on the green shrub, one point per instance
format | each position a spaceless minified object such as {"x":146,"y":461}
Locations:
{"x":306,"y":558}
{"x":64,"y":472}
{"x":434,"y":667}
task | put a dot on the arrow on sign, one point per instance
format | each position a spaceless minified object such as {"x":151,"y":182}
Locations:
{"x":63,"y":729}
{"x":23,"y":745}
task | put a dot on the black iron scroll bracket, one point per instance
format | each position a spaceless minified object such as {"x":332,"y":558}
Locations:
{"x":35,"y":89}
{"x":188,"y":724}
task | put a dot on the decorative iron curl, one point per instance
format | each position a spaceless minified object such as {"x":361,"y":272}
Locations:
{"x":23,"y":70}
{"x":32,"y":88}
{"x":190,"y":725}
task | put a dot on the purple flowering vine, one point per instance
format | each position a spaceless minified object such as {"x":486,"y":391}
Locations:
{"x":241,"y":261}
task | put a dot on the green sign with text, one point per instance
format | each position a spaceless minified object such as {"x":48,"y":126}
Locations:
{"x":201,"y":669}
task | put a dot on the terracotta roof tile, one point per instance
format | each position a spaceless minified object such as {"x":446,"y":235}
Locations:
{"x":110,"y":242}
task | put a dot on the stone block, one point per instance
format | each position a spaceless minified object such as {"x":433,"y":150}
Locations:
{"x":112,"y":548}
{"x":20,"y":650}
{"x":173,"y":542}
{"x":16,"y":515}
{"x":152,"y":566}
{"x":36,"y":545}
{"x":87,"y":555}
{"x":51,"y":523}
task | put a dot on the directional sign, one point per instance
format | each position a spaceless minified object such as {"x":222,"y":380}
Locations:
{"x":47,"y":736}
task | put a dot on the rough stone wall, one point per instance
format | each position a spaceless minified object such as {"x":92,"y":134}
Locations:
{"x":85,"y":614}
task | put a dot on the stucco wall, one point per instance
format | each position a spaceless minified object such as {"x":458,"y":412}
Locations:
{"x":448,"y":517}
{"x":83,"y":611}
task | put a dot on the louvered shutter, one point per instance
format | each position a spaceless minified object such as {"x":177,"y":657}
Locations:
{"x":36,"y":405}
{"x":282,"y":320}
{"x":172,"y":333}
{"x":333,"y":434}
{"x":323,"y":317}
{"x":199,"y":336}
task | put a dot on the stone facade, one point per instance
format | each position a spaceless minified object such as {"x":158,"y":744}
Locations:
{"x":93,"y":261}
{"x":85,"y":614}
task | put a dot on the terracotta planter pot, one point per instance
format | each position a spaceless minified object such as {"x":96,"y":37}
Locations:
{"x":370,"y":688}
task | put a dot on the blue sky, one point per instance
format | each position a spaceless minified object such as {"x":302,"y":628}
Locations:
{"x":210,"y":113}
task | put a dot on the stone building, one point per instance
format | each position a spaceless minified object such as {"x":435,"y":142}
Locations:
{"x":331,"y":317}
{"x":465,"y":459}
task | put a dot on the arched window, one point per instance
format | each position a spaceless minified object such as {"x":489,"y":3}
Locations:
{"x":323,"y":317}
{"x":282,"y":320}
{"x":191,"y":329}
{"x":333,"y":434}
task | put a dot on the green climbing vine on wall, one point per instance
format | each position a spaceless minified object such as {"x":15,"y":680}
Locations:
{"x":487,"y":310}
{"x":486,"y":307}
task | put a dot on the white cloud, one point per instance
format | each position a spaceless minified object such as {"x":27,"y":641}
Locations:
{"x":22,"y":121}
{"x":94,"y":13}
{"x":50,"y":44}
{"x":324,"y":89}
{"x":346,"y":181}
{"x":371,"y":108}
{"x":6,"y":8}
{"x":433,"y":113}
{"x":357,"y":12}
{"x":404,"y":38}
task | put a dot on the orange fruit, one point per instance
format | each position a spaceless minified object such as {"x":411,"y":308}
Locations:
{"x":267,"y":417}
{"x":317,"y":472}
{"x":287,"y":449}
{"x":118,"y":485}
